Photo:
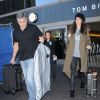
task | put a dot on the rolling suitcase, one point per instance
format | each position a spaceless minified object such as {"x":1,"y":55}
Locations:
{"x":91,"y":87}
{"x":12,"y":75}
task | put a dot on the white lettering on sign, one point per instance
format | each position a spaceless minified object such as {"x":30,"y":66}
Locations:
{"x":85,"y":8}
{"x":93,"y":6}
{"x":79,"y":9}
{"x":98,"y":5}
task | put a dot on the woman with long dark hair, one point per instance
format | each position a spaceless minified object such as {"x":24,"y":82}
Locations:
{"x":77,"y":51}
{"x":50,"y":43}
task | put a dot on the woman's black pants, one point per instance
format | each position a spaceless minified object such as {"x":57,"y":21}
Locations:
{"x":53,"y":68}
{"x":75,"y":61}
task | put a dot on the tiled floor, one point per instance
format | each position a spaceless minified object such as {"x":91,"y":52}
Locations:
{"x":59,"y":90}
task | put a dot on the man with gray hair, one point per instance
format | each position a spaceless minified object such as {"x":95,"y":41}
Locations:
{"x":25,"y":39}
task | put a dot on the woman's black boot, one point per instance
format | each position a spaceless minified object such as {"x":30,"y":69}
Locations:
{"x":82,"y":85}
{"x":72,"y":93}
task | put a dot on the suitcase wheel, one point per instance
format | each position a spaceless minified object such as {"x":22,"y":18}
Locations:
{"x":13,"y":91}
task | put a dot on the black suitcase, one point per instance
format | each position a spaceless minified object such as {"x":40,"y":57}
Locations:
{"x":12,"y":75}
{"x":91,"y":87}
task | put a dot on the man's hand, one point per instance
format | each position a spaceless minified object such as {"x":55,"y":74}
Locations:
{"x":12,"y":61}
{"x":41,"y":39}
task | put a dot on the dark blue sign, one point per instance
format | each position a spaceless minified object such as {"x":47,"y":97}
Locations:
{"x":66,"y":10}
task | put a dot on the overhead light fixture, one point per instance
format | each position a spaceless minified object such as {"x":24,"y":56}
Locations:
{"x":32,"y":17}
{"x":1,"y":0}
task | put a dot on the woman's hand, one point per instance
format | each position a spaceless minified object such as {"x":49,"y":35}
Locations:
{"x":88,"y":47}
{"x":69,"y":35}
{"x":54,"y":57}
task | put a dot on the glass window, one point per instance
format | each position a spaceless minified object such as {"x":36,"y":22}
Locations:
{"x":44,"y":2}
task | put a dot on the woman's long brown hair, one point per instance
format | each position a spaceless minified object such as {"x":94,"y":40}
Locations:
{"x":83,"y":30}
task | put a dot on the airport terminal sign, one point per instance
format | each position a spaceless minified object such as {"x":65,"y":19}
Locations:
{"x":66,"y":10}
{"x":93,"y":6}
{"x":90,"y":8}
